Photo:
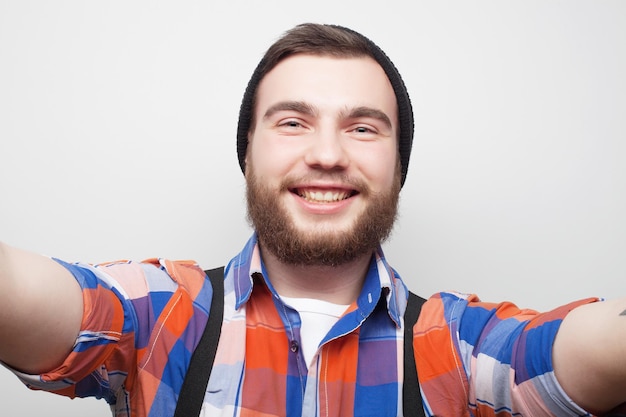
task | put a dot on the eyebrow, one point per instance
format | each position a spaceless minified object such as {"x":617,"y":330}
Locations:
{"x":297,"y":106}
{"x":370,"y":112}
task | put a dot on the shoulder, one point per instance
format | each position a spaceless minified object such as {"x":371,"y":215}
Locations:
{"x":454,"y":306}
{"x":456,"y":309}
{"x":461,"y":326}
{"x":134,"y":280}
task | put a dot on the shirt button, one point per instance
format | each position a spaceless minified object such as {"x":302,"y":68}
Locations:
{"x":294,"y":346}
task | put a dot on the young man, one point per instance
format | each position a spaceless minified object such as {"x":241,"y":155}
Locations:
{"x":313,"y":316}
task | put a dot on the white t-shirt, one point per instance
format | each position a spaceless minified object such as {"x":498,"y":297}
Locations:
{"x":317,"y":318}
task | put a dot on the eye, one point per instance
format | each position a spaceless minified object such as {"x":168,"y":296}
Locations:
{"x":363,"y":129}
{"x":290,"y":123}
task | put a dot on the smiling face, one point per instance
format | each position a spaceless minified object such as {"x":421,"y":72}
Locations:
{"x":322,"y":161}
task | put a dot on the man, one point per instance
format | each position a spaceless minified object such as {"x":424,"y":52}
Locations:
{"x":313,"y":313}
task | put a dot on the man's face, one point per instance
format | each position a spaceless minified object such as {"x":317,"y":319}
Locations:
{"x":322,"y":163}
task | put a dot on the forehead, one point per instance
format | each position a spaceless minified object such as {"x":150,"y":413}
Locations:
{"x":328,"y":83}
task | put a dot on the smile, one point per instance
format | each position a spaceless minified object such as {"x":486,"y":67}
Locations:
{"x":324,"y":196}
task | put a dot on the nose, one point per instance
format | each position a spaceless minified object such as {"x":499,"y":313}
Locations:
{"x":327,"y":151}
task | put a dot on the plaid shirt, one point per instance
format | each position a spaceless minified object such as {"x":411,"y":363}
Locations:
{"x":142,"y":322}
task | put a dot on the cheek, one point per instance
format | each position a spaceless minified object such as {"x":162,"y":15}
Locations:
{"x":268,"y":158}
{"x":380,"y":167}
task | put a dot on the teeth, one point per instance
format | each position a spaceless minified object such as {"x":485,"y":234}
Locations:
{"x":323,"y":197}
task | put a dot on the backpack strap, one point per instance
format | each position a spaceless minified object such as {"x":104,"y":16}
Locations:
{"x":412,"y":405}
{"x":194,"y":386}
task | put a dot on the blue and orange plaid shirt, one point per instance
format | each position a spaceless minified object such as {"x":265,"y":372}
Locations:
{"x":142,"y":322}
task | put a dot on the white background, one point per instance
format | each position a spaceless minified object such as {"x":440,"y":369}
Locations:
{"x":118,"y":120}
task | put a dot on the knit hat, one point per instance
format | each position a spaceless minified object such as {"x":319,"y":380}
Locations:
{"x":405,"y":110}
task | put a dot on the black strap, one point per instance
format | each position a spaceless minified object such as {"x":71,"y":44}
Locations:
{"x":194,"y":386}
{"x":411,"y":397}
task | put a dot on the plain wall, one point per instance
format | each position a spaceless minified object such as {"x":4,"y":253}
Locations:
{"x":118,"y":120}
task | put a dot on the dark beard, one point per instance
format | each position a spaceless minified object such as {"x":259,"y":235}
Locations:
{"x":277,"y":233}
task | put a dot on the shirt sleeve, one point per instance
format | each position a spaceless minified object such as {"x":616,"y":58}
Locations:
{"x":492,"y":359}
{"x":126,"y":308}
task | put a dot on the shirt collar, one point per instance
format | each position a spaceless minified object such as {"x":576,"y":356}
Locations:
{"x":381,"y":280}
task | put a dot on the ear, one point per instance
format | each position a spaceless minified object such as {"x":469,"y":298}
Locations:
{"x":246,"y":160}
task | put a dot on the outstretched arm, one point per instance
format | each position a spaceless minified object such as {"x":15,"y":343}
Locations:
{"x":590,"y":355}
{"x":40,"y":310}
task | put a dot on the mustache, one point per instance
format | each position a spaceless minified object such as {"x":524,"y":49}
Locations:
{"x":357,"y":184}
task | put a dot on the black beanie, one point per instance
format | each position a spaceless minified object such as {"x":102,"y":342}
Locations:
{"x":405,"y":110}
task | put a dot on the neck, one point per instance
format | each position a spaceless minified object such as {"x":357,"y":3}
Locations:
{"x":336,"y":284}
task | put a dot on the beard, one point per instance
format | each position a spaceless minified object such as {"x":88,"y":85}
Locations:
{"x":277,"y":232}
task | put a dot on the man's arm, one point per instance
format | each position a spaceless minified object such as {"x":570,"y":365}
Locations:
{"x":40,"y":311}
{"x":590,"y":355}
